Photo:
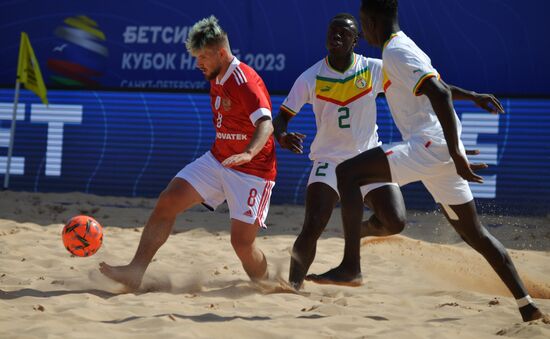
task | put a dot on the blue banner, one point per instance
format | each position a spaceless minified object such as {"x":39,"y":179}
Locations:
{"x":132,"y":144}
{"x":497,"y":46}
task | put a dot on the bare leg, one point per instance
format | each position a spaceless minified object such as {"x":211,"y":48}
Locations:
{"x":178,"y":196}
{"x":320,"y":202}
{"x":389,"y":214}
{"x":467,"y":224}
{"x":243,"y":239}
{"x":366,"y":168}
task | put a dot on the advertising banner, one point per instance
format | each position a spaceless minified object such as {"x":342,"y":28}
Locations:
{"x":489,"y":46}
{"x":133,"y":143}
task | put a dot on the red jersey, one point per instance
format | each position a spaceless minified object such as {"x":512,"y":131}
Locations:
{"x":238,"y":100}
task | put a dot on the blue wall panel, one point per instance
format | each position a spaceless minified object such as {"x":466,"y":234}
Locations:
{"x":131,"y":144}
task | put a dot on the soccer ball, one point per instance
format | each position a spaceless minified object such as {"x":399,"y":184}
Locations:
{"x":82,"y":235}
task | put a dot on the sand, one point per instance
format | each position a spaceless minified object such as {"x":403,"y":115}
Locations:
{"x":422,"y":284}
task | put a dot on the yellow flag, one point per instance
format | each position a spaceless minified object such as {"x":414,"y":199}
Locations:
{"x":28,"y":70}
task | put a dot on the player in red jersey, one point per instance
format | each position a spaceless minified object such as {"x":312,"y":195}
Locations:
{"x":239,"y":168}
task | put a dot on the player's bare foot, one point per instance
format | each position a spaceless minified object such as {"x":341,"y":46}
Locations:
{"x":126,"y":275}
{"x":530,"y":312}
{"x":337,"y":276}
{"x":296,"y":285}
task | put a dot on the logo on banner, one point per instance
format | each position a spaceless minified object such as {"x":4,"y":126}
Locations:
{"x":79,"y":58}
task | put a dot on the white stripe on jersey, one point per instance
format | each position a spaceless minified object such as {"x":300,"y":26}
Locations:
{"x":237,"y":79}
{"x":241,"y":74}
{"x":238,"y":76}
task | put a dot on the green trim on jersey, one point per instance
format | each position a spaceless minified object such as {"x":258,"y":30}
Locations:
{"x":351,"y":77}
{"x":420,"y":81}
{"x":288,"y":110}
{"x":393,"y":35}
{"x":347,"y":69}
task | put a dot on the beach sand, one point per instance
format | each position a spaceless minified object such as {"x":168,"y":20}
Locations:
{"x":424,"y":283}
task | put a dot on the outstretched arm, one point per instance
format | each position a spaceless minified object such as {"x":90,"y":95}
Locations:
{"x":292,"y":141}
{"x":440,"y":96}
{"x":264,"y":129}
{"x":486,"y":101}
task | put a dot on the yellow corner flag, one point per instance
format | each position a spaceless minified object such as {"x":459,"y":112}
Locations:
{"x":28,"y":70}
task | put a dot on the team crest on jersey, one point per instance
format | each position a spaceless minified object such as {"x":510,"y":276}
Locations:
{"x":217,"y":102}
{"x":226,"y":103}
{"x":360,"y":83}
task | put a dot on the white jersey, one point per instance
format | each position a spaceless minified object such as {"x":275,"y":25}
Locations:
{"x":406,"y":67}
{"x":344,"y":105}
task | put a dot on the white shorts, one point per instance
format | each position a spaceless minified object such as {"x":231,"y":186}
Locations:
{"x":325,"y":172}
{"x":247,"y":195}
{"x":429,"y":162}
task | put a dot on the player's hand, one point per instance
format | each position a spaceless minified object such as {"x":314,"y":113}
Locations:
{"x":466,"y":170}
{"x":237,"y":159}
{"x":292,"y":141}
{"x":488,"y":102}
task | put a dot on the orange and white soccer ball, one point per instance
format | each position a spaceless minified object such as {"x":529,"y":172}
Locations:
{"x":82,"y":235}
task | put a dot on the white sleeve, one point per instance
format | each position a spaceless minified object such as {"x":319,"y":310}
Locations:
{"x":409,"y":68}
{"x":299,"y":96}
{"x":259,"y":113}
{"x":377,"y":77}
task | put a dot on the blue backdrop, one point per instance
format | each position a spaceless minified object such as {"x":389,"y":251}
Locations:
{"x":132,"y":144}
{"x":498,"y":46}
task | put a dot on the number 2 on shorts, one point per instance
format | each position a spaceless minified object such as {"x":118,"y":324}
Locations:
{"x":322,"y":166}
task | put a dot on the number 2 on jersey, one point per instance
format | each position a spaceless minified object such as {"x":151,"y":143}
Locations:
{"x":342,"y":117}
